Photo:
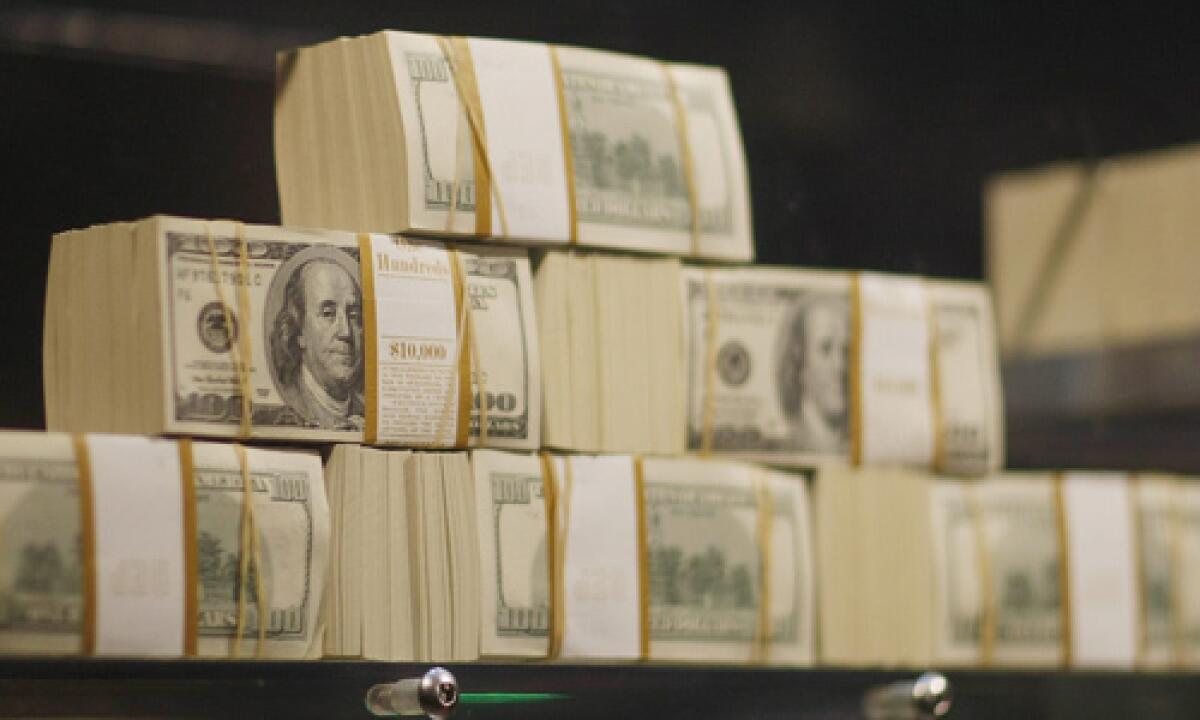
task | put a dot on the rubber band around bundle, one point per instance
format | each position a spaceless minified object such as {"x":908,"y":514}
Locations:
{"x":457,"y":54}
{"x":191,"y":539}
{"x":1064,"y":570}
{"x":687,"y":161}
{"x":249,"y":551}
{"x":248,"y":537}
{"x":935,"y":385}
{"x":475,"y":361}
{"x":564,"y":121}
{"x":643,"y":558}
{"x":558,"y":509}
{"x":856,"y":379}
{"x":983,"y":558}
{"x":87,"y":541}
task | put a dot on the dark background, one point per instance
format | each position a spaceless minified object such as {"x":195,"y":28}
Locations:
{"x":869,"y":126}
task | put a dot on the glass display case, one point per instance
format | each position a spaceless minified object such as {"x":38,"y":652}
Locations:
{"x":100,"y":688}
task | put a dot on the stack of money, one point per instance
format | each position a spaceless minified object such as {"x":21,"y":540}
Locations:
{"x":117,"y":545}
{"x":620,"y":558}
{"x":779,"y":370}
{"x":916,"y":571}
{"x":405,"y":132}
{"x":177,"y":326}
{"x":404,"y":566}
{"x":612,"y":361}
{"x":1016,"y":569}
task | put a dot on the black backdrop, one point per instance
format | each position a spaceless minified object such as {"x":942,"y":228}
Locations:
{"x":869,"y":126}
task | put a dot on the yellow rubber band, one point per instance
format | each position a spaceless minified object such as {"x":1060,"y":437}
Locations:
{"x":87,"y":539}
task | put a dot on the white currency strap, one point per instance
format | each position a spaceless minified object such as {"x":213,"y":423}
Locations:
{"x":416,"y":341}
{"x":600,"y":573}
{"x":524,"y":137}
{"x":138,"y":516}
{"x":897,"y":405}
{"x":1102,"y":574}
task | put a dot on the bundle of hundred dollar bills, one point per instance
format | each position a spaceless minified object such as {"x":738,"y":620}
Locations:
{"x":789,"y":365}
{"x":574,"y":557}
{"x":406,"y":132}
{"x":191,"y":327}
{"x":404,"y":563}
{"x":619,"y":558}
{"x":1015,"y":569}
{"x":129,"y":546}
{"x":612,"y":353}
{"x":781,"y":365}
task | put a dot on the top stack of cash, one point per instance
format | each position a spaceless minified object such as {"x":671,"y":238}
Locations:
{"x":405,"y":132}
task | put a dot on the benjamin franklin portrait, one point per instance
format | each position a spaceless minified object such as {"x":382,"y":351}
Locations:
{"x":811,"y":369}
{"x":316,"y":338}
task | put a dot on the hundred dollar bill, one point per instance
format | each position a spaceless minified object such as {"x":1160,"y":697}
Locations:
{"x":630,"y":170}
{"x":970,"y":404}
{"x":296,"y":305}
{"x":511,"y":509}
{"x":630,"y":174}
{"x":958,"y":613}
{"x":442,"y":175}
{"x":706,"y":563}
{"x":767,"y":358}
{"x":41,"y":561}
{"x":507,"y":377}
{"x":1025,"y":559}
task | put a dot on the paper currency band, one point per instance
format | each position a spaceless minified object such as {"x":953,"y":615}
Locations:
{"x":87,"y":526}
{"x":464,"y":334}
{"x":457,"y":53}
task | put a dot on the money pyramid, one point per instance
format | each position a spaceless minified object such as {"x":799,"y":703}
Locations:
{"x":616,"y":350}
